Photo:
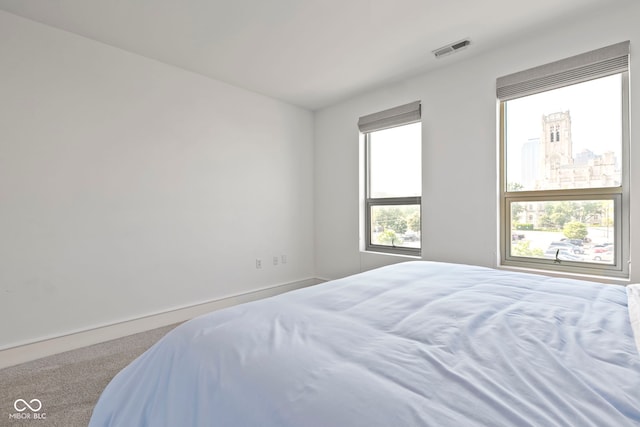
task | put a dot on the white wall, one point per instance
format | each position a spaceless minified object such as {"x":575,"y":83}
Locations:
{"x":460,"y":204}
{"x":129,"y":187}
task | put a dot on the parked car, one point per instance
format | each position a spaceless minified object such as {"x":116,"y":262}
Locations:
{"x":603,"y":257}
{"x":576,"y":242}
{"x":562,"y":254}
{"x":411,"y":236}
{"x":601,"y":249}
{"x":566,"y":245}
{"x":517,"y":236}
{"x":602,"y":252}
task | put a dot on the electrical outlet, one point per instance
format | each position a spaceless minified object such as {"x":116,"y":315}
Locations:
{"x":283,"y":258}
{"x":275,"y":260}
{"x":258,"y":263}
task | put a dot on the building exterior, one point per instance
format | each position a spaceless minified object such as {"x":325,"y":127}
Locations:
{"x":530,"y":163}
{"x":560,"y":168}
{"x":549,"y":163}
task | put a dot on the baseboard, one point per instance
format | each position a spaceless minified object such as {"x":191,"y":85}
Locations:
{"x":36,"y":350}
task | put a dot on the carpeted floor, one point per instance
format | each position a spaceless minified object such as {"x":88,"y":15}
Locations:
{"x":68,"y":384}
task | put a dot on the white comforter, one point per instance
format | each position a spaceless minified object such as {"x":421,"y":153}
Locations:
{"x":415,"y":344}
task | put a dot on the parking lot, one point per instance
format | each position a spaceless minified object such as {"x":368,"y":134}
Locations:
{"x":593,"y":249}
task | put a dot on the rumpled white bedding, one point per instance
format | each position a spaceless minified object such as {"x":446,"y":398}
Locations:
{"x":414,"y":344}
{"x":633,"y":295}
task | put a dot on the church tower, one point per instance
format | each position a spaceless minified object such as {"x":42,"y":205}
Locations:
{"x":556,"y":145}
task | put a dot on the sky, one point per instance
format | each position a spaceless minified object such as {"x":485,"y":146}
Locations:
{"x":398,"y":172}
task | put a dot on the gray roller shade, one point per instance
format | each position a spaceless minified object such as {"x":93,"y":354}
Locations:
{"x":576,"y":69}
{"x":397,"y":116}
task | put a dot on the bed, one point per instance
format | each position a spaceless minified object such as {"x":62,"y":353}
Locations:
{"x":412,"y":344}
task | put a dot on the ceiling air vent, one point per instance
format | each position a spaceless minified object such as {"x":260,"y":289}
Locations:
{"x":454,"y":47}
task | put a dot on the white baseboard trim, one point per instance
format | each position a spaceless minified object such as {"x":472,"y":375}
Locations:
{"x":36,"y":350}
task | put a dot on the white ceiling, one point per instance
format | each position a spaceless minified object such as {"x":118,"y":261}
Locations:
{"x":310,"y":53}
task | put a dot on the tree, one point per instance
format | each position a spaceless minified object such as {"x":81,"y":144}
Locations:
{"x":514,"y":186}
{"x":516,"y":211}
{"x":389,"y":237}
{"x":414,"y":222}
{"x":575,"y":230}
{"x":391,"y":219}
{"x":522,"y":248}
{"x":557,"y":214}
{"x":586,"y":212}
{"x":516,"y":208}
{"x":563,"y":212}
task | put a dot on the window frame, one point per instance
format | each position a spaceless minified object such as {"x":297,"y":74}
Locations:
{"x":620,"y":196}
{"x":371,"y":202}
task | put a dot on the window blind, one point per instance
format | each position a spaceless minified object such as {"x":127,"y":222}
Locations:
{"x":576,"y":69}
{"x":397,"y":116}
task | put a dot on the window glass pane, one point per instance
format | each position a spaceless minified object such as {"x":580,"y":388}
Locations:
{"x":566,"y":138}
{"x":395,"y":162}
{"x":580,"y":231}
{"x":395,"y":225}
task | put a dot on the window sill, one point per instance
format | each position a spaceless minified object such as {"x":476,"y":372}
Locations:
{"x":391,"y":254}
{"x":620,"y":281}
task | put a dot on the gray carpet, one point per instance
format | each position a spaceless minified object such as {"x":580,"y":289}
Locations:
{"x":68,"y":384}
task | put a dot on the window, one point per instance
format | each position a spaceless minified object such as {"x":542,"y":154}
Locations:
{"x":393,"y":180}
{"x":564,"y":176}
